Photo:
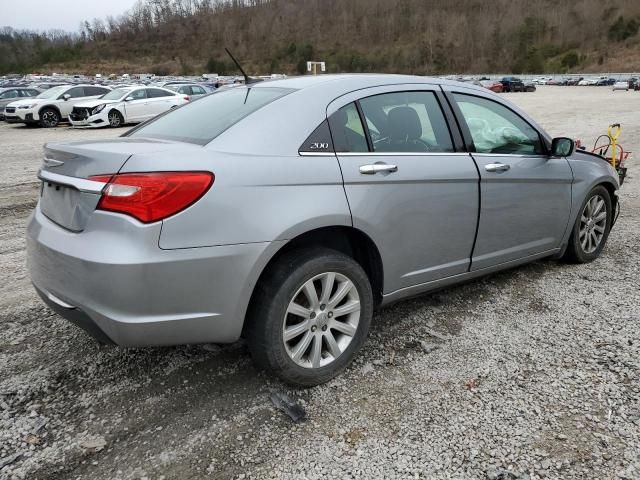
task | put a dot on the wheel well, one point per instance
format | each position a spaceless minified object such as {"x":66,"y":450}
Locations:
{"x":52,"y":107}
{"x":348,"y":240}
{"x":612,"y":195}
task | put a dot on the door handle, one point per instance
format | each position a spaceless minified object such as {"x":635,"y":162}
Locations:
{"x":377,"y":168}
{"x":497,"y":167}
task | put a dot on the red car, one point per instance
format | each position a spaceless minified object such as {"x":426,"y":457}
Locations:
{"x":492,"y":85}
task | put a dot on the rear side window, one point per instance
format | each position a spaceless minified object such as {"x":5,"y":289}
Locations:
{"x":496,"y":129}
{"x":195,"y":90}
{"x":202,"y":121}
{"x":406,"y":122}
{"x":76,"y":92}
{"x":346,"y":130}
{"x":92,"y":91}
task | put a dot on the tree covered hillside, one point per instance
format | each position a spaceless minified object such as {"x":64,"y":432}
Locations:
{"x":409,"y":36}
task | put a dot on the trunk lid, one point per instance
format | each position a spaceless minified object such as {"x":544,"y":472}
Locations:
{"x":67,"y":197}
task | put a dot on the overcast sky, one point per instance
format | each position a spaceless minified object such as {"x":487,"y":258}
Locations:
{"x":57,"y":14}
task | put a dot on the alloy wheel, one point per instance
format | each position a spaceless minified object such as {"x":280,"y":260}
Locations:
{"x":50,"y":118}
{"x":321,"y":320}
{"x":114,"y":119}
{"x":593,"y":223}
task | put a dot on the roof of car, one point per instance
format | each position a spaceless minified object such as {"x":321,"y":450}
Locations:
{"x":349,"y":82}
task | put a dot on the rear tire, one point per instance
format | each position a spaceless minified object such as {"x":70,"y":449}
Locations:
{"x":299,"y":327}
{"x":592,"y":227}
{"x":49,"y":118}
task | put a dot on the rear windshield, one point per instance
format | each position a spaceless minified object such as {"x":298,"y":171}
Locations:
{"x":202,"y":121}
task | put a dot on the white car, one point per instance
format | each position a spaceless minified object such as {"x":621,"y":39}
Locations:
{"x":52,"y":106}
{"x":125,"y":105}
{"x":621,"y":86}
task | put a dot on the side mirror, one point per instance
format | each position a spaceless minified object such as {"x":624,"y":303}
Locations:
{"x":562,"y":147}
{"x":128,"y":99}
{"x":66,"y":97}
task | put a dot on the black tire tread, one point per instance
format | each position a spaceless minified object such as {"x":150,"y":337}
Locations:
{"x":263,"y":316}
{"x":574,"y":253}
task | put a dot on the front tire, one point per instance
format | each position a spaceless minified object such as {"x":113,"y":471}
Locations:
{"x":49,"y":118}
{"x":592,"y":227}
{"x":115,"y":119}
{"x":310,"y":316}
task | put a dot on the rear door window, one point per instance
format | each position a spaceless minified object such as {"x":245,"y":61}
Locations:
{"x":75,"y":92}
{"x":347,"y":131}
{"x":406,"y":122}
{"x":202,"y":121}
{"x":93,"y":91}
{"x":197,"y":90}
{"x":140,"y":94}
{"x":157,"y":93}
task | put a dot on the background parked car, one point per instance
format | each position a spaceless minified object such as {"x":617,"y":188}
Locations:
{"x":125,"y":105}
{"x":52,"y":106}
{"x":529,"y":87}
{"x":9,"y":95}
{"x":492,"y":85}
{"x":622,"y":85}
{"x":512,"y":84}
{"x":193,"y":90}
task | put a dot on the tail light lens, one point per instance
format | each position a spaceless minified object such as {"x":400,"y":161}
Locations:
{"x":153,"y":196}
{"x":186,"y":97}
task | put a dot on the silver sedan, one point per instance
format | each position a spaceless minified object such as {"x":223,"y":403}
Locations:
{"x":299,"y":207}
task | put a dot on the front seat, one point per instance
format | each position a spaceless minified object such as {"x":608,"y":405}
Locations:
{"x":404,"y":132}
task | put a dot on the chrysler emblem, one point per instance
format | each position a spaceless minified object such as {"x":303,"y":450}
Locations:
{"x":50,"y":162}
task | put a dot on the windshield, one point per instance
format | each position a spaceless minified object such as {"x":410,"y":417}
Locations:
{"x":202,"y":121}
{"x":53,"y":92}
{"x":116,"y":94}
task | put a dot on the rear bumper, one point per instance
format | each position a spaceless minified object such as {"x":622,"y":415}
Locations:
{"x":114,"y":281}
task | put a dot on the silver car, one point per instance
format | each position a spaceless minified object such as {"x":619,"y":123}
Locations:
{"x":299,"y":208}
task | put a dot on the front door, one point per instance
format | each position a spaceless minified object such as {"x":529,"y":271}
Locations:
{"x":525,"y":194}
{"x":137,"y":109}
{"x":408,"y":188}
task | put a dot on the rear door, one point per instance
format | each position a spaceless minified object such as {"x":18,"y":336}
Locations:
{"x":525,"y":193}
{"x":159,"y":101}
{"x":409,"y":186}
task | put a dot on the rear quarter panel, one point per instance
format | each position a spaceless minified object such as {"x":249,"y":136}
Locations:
{"x":254,"y":198}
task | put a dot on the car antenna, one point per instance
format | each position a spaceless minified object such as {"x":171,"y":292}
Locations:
{"x":247,"y":79}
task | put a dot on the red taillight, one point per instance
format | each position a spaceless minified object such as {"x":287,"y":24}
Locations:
{"x":150,"y":197}
{"x":186,"y":98}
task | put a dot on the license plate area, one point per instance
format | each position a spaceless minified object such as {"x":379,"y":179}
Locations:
{"x":66,"y":206}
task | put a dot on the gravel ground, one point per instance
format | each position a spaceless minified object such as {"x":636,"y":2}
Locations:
{"x":531,"y":373}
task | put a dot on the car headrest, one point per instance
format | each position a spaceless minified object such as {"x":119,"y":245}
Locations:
{"x":404,"y":124}
{"x":341,"y":117}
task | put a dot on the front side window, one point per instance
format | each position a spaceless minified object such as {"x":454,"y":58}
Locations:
{"x":28,"y":93}
{"x":197,"y":90}
{"x":496,"y":129}
{"x":406,"y":122}
{"x":53,"y":92}
{"x":140,"y":94}
{"x":194,"y":122}
{"x":346,"y":130}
